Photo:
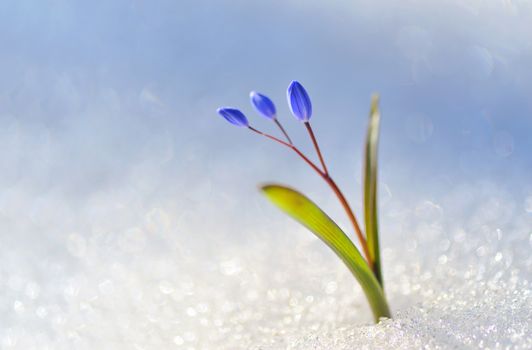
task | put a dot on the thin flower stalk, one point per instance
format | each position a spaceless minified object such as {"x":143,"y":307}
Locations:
{"x":332,"y":184}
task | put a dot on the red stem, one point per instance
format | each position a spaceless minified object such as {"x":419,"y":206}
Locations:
{"x":331,"y":184}
{"x":278,"y":123}
{"x":351,"y":216}
{"x":292,"y":147}
{"x":315,"y":142}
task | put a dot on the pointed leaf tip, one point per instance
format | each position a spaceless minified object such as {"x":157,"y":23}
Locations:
{"x":375,"y":98}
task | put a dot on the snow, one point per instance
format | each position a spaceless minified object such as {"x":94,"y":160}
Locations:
{"x":129,"y":276}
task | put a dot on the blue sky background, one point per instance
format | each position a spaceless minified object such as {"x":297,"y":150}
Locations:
{"x":98,"y":97}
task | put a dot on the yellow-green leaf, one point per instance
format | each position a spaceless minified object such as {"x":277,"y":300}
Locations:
{"x":370,"y":188}
{"x":311,"y":216}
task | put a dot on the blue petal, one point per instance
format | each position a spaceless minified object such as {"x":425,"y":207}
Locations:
{"x":263,"y":104}
{"x":233,"y":116}
{"x":299,"y":101}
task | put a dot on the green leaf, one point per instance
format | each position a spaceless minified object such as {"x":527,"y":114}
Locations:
{"x":370,"y":188}
{"x":311,"y":216}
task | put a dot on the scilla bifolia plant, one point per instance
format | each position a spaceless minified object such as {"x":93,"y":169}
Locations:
{"x":367,"y":267}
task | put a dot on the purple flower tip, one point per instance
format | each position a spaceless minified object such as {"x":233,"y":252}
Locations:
{"x":233,"y":116}
{"x":263,"y":104}
{"x":299,"y":101}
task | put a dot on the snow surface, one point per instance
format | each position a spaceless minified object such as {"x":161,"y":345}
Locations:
{"x":120,"y":272}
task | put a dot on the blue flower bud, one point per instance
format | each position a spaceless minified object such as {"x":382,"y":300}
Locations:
{"x":299,"y":101}
{"x":263,"y":104}
{"x":233,"y":116}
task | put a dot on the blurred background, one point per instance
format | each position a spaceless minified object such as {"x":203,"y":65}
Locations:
{"x":111,"y":147}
